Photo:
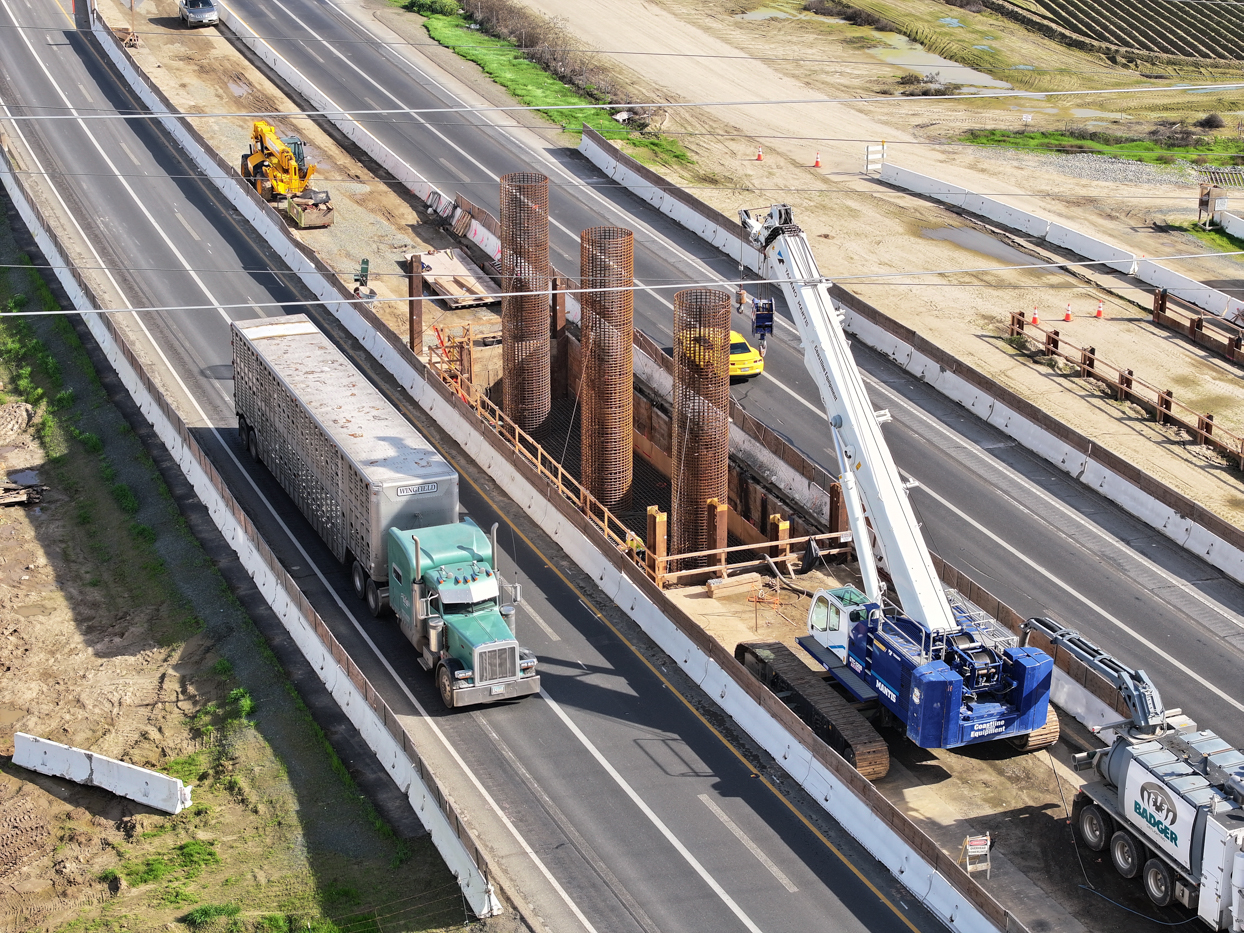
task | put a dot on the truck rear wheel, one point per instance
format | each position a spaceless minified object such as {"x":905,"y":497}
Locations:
{"x":1159,"y":882}
{"x":358,"y":579}
{"x":375,"y":601}
{"x":243,"y":428}
{"x":1094,"y":827}
{"x":252,"y":443}
{"x":1126,"y":854}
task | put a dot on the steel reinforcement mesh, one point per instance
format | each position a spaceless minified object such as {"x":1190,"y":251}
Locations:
{"x":525,"y":317}
{"x":701,"y":430}
{"x":606,"y":257}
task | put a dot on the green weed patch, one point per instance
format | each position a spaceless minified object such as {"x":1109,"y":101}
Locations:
{"x":1213,"y":150}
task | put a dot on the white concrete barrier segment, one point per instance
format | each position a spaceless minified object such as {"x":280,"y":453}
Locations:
{"x":1190,"y":290}
{"x":1120,"y":260}
{"x":151,"y":788}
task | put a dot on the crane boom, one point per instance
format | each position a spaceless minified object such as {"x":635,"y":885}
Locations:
{"x":827,"y":355}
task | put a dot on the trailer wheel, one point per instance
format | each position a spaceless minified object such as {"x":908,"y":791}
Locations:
{"x":243,"y":436}
{"x":1094,"y":827}
{"x":1159,"y":882}
{"x":358,"y":579}
{"x":375,"y":602}
{"x":252,"y":444}
{"x":1126,"y":854}
{"x":445,"y":682}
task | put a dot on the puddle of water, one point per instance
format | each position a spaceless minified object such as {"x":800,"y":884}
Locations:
{"x":1034,"y":109}
{"x":1023,"y":67}
{"x":983,"y":48}
{"x":911,"y":55}
{"x":239,"y":90}
{"x":24,"y":477}
{"x":951,"y":22}
{"x":1083,"y":112}
{"x":9,"y":715}
{"x":979,"y":242}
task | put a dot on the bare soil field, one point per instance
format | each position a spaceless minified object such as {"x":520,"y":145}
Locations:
{"x":118,"y":635}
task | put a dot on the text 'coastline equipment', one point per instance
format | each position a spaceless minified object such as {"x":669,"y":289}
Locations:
{"x":384,"y":501}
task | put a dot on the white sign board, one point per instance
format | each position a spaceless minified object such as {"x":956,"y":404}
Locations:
{"x":1164,"y":818}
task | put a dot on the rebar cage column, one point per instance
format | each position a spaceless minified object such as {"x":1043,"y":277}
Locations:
{"x":701,"y":430}
{"x":525,"y":352}
{"x":607,"y":275}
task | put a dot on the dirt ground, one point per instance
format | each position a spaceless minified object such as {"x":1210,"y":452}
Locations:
{"x":118,"y":635}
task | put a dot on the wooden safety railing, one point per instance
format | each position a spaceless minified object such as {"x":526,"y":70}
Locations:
{"x":1127,"y":387}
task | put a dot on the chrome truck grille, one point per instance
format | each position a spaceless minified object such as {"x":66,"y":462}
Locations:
{"x":499,"y":663}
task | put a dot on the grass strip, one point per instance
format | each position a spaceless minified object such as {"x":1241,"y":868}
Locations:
{"x":531,"y":85}
{"x":1210,"y":150}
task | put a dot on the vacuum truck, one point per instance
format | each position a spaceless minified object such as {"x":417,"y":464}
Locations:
{"x":1170,"y":803}
{"x":384,"y":502}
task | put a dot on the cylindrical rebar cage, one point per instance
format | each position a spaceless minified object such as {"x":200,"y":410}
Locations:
{"x":606,"y":261}
{"x":700,"y":439}
{"x":525,"y":350}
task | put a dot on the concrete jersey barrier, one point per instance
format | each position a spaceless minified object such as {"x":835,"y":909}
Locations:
{"x":141,"y":785}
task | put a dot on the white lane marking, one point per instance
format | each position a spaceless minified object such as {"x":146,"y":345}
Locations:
{"x":535,"y":617}
{"x":314,"y":54}
{"x":453,"y":752}
{"x":86,"y":93}
{"x":652,"y":817}
{"x":1048,"y":498}
{"x":454,"y":170}
{"x":747,"y":841}
{"x":189,"y":229}
{"x":1113,"y":620}
{"x":127,"y":151}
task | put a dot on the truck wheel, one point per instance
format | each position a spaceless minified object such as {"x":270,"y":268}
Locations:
{"x":1094,"y":827}
{"x":1159,"y":882}
{"x":445,"y":683}
{"x":252,"y":444}
{"x":375,"y":602}
{"x":242,"y":429}
{"x":359,"y":579}
{"x":1126,"y":854}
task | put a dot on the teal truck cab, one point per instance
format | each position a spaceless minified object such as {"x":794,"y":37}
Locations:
{"x":445,"y":590}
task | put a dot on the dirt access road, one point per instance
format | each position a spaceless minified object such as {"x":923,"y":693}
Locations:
{"x":859,"y":228}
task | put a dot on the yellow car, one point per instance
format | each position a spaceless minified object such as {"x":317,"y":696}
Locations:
{"x":745,"y":361}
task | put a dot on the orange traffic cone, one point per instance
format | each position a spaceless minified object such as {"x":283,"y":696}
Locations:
{"x":1067,"y":315}
{"x":1035,"y":319}
{"x":760,"y":154}
{"x":817,"y":163}
{"x":1099,"y":309}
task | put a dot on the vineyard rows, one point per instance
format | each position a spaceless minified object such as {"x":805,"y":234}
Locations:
{"x":1163,"y":27}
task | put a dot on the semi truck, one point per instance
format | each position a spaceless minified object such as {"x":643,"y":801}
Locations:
{"x":1169,"y":807}
{"x":384,"y":502}
{"x":914,"y":650}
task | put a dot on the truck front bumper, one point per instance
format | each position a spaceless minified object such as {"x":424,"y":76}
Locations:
{"x":490,"y":693}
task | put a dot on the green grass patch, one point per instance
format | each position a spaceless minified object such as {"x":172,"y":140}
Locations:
{"x":1214,"y":150}
{"x":1217,"y":238}
{"x":532,"y":86}
{"x":206,"y":913}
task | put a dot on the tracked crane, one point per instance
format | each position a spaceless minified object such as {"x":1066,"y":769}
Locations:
{"x":939,"y":666}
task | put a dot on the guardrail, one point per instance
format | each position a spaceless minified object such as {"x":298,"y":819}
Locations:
{"x":281,"y":590}
{"x":1223,"y":337}
{"x":1127,"y":387}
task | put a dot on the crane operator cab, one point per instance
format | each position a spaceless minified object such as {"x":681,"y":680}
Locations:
{"x":833,"y":614}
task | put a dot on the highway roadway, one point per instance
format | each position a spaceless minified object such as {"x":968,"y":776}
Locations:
{"x":1038,"y":540}
{"x":608,"y":803}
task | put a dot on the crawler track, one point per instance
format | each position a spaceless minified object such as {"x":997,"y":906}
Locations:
{"x":842,"y":727}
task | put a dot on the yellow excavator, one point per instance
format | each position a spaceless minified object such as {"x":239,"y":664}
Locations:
{"x":277,"y":168}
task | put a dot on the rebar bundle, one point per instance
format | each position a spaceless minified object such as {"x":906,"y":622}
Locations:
{"x":606,"y":256}
{"x":525,"y":316}
{"x":701,"y":424}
